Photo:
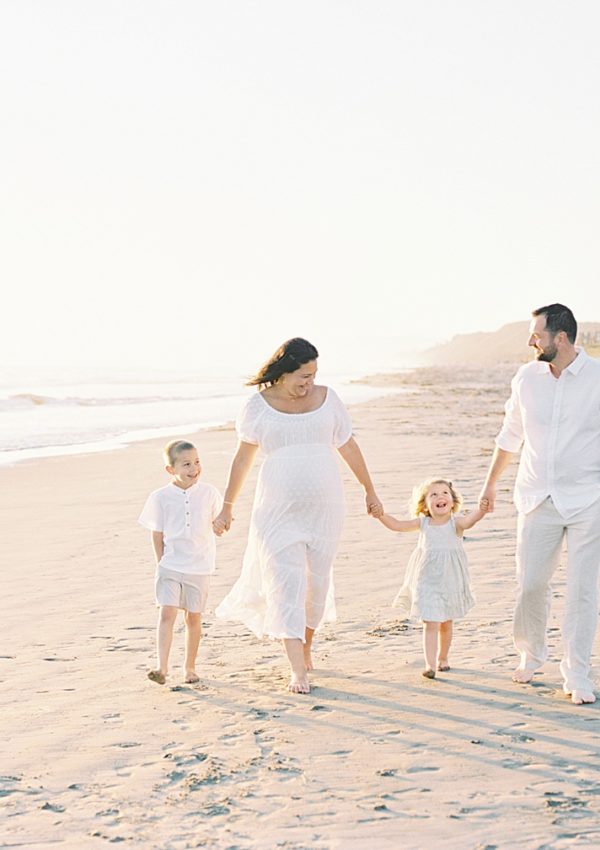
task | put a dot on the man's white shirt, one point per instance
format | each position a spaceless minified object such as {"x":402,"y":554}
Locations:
{"x":557,"y":423}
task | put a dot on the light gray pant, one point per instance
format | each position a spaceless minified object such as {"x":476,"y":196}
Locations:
{"x":540,"y":536}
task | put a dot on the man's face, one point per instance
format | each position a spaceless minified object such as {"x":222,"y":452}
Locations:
{"x":542,"y":340}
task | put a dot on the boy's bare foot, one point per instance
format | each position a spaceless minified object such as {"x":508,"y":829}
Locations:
{"x":299,"y":684}
{"x":157,"y":676}
{"x":522,"y":676}
{"x":443,"y":665}
{"x":429,"y":673}
{"x":191,"y":677}
{"x":308,"y":659}
{"x":582,"y":697}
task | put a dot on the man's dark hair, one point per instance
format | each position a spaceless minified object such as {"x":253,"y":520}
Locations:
{"x":558,"y":318}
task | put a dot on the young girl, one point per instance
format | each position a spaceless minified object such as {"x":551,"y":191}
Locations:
{"x":436,"y":585}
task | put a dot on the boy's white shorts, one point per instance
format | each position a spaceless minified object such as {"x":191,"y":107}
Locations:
{"x":181,"y":590}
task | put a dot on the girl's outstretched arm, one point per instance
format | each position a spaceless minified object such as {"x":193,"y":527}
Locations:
{"x":399,"y":524}
{"x":469,"y":520}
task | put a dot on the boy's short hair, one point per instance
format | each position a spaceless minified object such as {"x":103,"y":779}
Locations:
{"x":174,"y":448}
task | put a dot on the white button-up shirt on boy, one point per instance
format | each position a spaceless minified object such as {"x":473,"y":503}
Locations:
{"x":185,"y":519}
{"x":557,"y":421}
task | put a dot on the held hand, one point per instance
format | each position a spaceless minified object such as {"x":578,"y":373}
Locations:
{"x":374,"y":506}
{"x":487,"y":498}
{"x":222,"y":522}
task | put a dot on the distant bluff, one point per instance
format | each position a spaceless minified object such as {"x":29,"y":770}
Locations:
{"x":506,"y":345}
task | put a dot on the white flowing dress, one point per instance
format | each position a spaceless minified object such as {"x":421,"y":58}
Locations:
{"x":436,"y":584}
{"x":286,"y":581}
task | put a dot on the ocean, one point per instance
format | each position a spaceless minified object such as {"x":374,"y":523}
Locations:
{"x":47,"y":412}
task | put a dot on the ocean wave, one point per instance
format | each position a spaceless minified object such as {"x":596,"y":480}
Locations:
{"x":25,"y":400}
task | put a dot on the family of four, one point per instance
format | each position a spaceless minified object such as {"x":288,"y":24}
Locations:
{"x":285,"y":588}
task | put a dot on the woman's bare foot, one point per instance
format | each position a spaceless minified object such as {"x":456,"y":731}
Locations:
{"x":191,"y":677}
{"x":522,"y":676}
{"x":428,"y":673}
{"x":157,"y":676}
{"x":582,"y":697}
{"x":308,"y":663}
{"x":299,"y":684}
{"x":443,"y":665}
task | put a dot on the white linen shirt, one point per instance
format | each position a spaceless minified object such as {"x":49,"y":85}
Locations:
{"x":185,"y":519}
{"x":557,"y":421}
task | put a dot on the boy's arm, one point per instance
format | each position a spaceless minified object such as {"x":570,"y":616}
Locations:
{"x":468,"y":521}
{"x":157,"y":539}
{"x":399,"y":524}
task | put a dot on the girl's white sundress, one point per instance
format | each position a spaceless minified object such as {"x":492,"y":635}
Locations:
{"x":436,"y":584}
{"x":286,"y":580}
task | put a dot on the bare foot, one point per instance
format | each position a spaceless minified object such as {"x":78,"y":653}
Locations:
{"x":308,"y":659}
{"x":157,"y":676}
{"x":443,"y":665}
{"x":299,"y":684}
{"x":429,"y":673}
{"x":522,"y":676}
{"x":191,"y":677}
{"x":582,"y":697}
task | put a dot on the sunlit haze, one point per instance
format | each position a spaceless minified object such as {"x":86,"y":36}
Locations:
{"x":188,"y":184}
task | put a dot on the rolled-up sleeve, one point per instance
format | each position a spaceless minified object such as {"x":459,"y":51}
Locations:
{"x":510,"y":438}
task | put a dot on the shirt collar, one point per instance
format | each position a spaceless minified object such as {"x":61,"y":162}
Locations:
{"x":575,"y":367}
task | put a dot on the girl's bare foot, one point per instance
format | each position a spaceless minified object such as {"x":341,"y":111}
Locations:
{"x":157,"y":676}
{"x":443,"y":665}
{"x":299,"y":684}
{"x":191,"y":677}
{"x":522,"y":676}
{"x":428,"y":673}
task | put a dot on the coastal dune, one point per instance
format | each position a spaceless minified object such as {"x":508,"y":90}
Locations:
{"x":94,"y":754}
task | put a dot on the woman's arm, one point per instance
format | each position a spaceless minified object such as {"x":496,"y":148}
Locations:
{"x":400,"y":524}
{"x":355,"y":460}
{"x":240,"y":467}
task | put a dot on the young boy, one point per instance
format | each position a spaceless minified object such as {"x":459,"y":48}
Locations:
{"x":180,"y":517}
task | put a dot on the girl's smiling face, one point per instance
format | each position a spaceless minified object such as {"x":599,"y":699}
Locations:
{"x":186,"y":469}
{"x":439,"y":500}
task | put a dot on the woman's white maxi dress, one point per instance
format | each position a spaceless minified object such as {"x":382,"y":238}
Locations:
{"x":286,"y":580}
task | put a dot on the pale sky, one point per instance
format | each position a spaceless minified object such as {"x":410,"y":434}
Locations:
{"x":188,"y":183}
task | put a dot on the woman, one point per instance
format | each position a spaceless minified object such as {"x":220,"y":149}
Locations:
{"x":285,"y":588}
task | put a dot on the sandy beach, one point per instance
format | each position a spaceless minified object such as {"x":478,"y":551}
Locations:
{"x":375,"y":757}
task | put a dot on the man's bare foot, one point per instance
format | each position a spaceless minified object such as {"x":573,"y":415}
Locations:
{"x":157,"y":676}
{"x":428,"y":673}
{"x":582,"y":697}
{"x":299,"y":684}
{"x":191,"y":677}
{"x":308,"y":663}
{"x":443,"y":665}
{"x":522,"y":676}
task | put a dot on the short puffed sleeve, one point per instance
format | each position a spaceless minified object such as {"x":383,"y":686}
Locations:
{"x":343,"y":424}
{"x":152,"y":516}
{"x":246,"y":423}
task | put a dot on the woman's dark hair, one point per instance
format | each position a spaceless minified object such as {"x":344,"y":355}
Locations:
{"x":559,"y":318}
{"x":288,"y":357}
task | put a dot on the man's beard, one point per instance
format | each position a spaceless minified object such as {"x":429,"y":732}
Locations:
{"x":548,"y":354}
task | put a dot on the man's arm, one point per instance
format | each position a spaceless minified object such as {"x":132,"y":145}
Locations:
{"x":500,"y":460}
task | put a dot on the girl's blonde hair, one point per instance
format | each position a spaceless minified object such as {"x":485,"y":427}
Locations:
{"x":419,"y":496}
{"x":174,"y":448}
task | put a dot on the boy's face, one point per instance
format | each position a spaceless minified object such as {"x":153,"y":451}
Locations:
{"x":186,"y":469}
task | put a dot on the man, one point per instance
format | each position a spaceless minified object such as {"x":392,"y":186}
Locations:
{"x":554,"y":413}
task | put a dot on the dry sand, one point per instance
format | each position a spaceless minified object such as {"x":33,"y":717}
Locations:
{"x":375,"y":757}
